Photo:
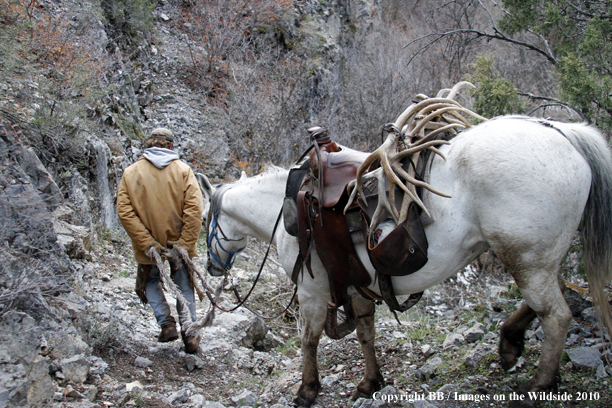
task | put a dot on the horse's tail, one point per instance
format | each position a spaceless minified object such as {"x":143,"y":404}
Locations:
{"x":596,"y":225}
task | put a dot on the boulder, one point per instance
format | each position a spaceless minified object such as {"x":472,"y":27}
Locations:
{"x":97,"y":365}
{"x":179,"y":397}
{"x":329,"y":380}
{"x":475,"y":356}
{"x":75,"y":240}
{"x":584,"y":357}
{"x":453,"y":339}
{"x":247,"y":398}
{"x":142,"y":362}
{"x":427,"y":350}
{"x":242,"y":328}
{"x":41,"y":387}
{"x":575,"y":302}
{"x":429,"y":369}
{"x":16,"y":347}
{"x":192,"y":362}
{"x":421,"y":403}
{"x":75,"y":369}
{"x":474,"y":333}
{"x":24,"y":373}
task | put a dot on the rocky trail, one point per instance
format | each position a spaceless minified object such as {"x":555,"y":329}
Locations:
{"x":443,"y":353}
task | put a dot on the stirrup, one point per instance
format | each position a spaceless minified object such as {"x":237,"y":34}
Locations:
{"x":332,"y":329}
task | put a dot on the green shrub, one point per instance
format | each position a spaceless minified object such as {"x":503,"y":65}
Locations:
{"x":494,"y":95}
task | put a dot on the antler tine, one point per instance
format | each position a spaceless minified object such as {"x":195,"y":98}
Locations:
{"x":380,"y":175}
{"x":353,"y":195}
{"x":433,"y":127}
{"x":384,"y":202}
{"x":417,"y":148}
{"x":356,"y":188}
{"x":413,"y":109}
{"x":362,"y":169}
{"x":417,"y":183}
{"x":438,"y":152}
{"x":424,"y":108}
{"x":414,"y":198}
{"x":467,"y":111}
{"x":436,"y":132}
{"x":441,"y":92}
{"x":458,"y":87}
{"x":443,"y":108}
{"x":394,"y":179}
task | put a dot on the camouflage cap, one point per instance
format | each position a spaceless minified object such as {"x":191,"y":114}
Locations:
{"x":162,"y":133}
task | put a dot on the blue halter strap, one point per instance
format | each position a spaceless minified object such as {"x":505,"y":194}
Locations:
{"x":227,"y":265}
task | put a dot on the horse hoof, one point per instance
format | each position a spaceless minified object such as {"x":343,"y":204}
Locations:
{"x":302,"y":402}
{"x":511,"y":347}
{"x":306,"y":395}
{"x":366,"y":388}
{"x":509,"y":352}
{"x":508,"y":360}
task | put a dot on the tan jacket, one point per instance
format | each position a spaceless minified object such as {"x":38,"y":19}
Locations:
{"x":160,"y":205}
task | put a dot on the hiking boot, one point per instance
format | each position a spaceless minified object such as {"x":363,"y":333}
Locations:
{"x":167,"y":334}
{"x":192,"y":343}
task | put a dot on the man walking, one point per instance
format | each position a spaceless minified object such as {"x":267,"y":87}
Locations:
{"x":159,"y":203}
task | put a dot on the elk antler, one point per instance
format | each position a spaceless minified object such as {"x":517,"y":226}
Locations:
{"x":432,"y":115}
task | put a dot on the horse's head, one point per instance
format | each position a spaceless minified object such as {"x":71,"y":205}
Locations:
{"x":223,"y":236}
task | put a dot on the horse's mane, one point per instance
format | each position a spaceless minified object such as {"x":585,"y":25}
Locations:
{"x":221,"y":189}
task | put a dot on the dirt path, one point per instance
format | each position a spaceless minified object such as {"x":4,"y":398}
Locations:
{"x":225,"y":373}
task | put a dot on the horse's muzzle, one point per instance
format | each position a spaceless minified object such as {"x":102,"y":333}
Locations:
{"x":213,"y":269}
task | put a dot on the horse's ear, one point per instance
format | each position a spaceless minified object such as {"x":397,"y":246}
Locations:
{"x":242,"y":176}
{"x":205,"y":185}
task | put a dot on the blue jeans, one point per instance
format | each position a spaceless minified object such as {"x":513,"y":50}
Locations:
{"x":157,"y":300}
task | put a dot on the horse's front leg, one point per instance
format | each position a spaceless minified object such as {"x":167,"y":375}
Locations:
{"x":366,"y":332}
{"x":312,"y":314}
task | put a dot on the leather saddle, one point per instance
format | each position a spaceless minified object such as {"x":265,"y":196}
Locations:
{"x":313,"y":211}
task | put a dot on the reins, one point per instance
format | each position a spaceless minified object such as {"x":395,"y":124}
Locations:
{"x":242,"y":302}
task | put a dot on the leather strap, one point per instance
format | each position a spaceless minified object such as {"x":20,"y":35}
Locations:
{"x":305,"y":231}
{"x":335,"y":248}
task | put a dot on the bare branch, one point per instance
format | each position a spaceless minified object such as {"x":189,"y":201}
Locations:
{"x":556,"y":102}
{"x":478,"y":33}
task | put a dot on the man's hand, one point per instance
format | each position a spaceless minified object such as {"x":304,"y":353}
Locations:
{"x":174,"y":245}
{"x":157,"y":247}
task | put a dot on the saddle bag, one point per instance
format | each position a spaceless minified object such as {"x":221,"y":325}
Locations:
{"x":403,"y":250}
{"x":294,"y":181}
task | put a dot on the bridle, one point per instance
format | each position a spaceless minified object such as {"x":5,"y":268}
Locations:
{"x":212,"y":222}
{"x":216,"y":229}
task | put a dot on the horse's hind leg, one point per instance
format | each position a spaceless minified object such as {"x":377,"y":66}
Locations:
{"x":545,"y":298}
{"x":512,"y":333}
{"x":366,"y":332}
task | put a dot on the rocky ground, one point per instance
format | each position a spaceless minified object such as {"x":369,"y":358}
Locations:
{"x":445,"y":345}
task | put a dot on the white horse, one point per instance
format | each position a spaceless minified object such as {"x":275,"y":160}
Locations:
{"x":517,"y":186}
